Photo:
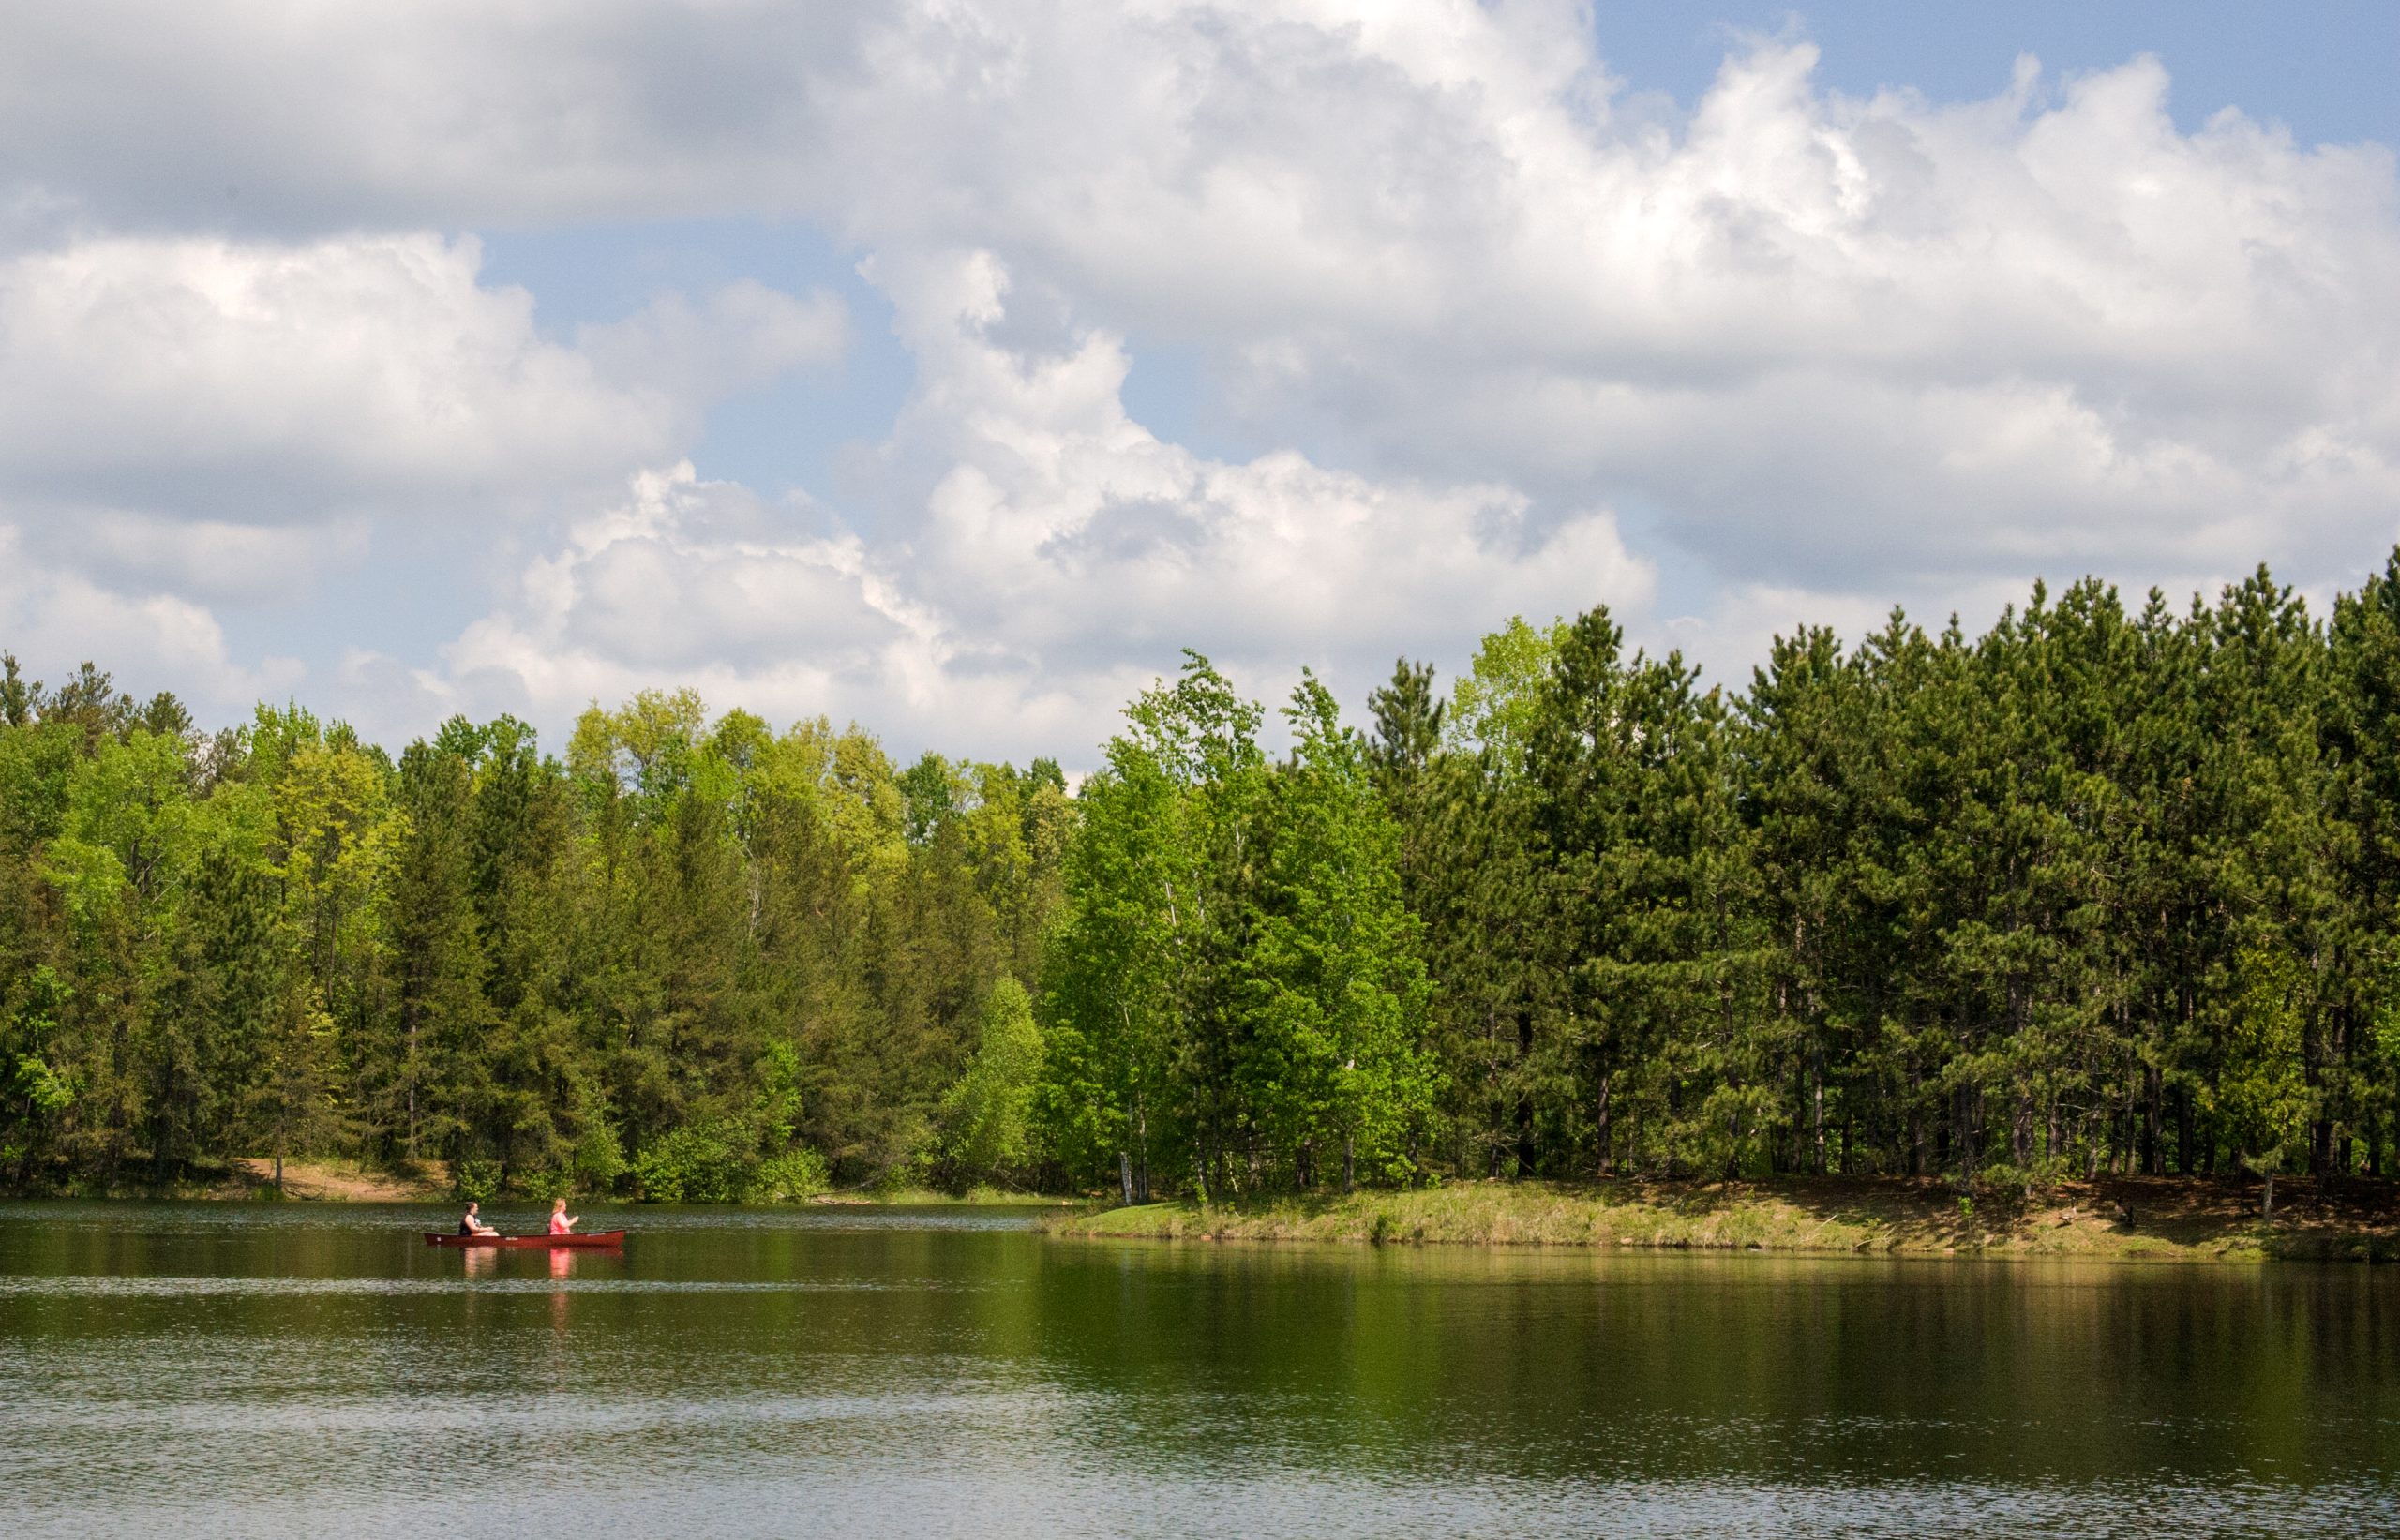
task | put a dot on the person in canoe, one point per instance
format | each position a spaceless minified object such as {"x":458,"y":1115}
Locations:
{"x":562,"y":1222}
{"x":468,"y":1224}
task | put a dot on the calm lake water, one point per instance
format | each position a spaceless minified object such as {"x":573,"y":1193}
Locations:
{"x":172,"y":1370}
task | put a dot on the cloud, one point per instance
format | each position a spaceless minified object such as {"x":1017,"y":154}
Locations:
{"x":1058,"y":521}
{"x":1496,"y":333}
{"x":1039,"y":556}
{"x":1879,"y":347}
{"x":263,"y":383}
{"x":742,"y":337}
{"x":209,"y":560}
{"x":1896,"y":340}
{"x":191,"y":423}
{"x":682,"y":573}
{"x":266,"y":119}
{"x":150,"y":640}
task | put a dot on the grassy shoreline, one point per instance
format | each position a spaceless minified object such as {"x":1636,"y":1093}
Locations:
{"x":2121,"y":1218}
{"x":925,"y":1196}
{"x":2117,"y":1219}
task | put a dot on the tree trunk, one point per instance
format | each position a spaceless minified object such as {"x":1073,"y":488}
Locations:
{"x":1916,"y":1125}
{"x":1125,"y":1175}
{"x":2153,"y":1162}
{"x":1524,"y":1101}
{"x":2270,"y":1207}
{"x":1817,"y":1106}
{"x":1608,"y":1085}
{"x":412,"y":1014}
{"x":1349,"y":1164}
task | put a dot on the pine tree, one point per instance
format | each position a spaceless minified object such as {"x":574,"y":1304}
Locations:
{"x":438,"y":968}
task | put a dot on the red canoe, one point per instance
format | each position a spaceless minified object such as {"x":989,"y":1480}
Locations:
{"x":605,"y":1238}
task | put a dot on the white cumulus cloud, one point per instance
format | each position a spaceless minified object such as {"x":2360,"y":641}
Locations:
{"x":1494,"y":332}
{"x":191,"y":421}
{"x":1054,"y":556}
{"x":280,"y":381}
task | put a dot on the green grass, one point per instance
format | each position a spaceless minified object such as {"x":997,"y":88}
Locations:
{"x":2172,"y":1221}
{"x":979,"y":1197}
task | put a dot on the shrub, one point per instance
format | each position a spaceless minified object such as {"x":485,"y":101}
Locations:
{"x":476,"y":1178}
{"x":598,"y":1160}
{"x":718,"y":1163}
{"x":547,"y":1183}
{"x":793,"y":1177}
{"x":907,"y":1173}
{"x":695,"y":1164}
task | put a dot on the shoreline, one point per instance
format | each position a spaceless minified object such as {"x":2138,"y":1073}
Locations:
{"x":2123,"y":1219}
{"x":251,"y":1180}
{"x":2119,"y":1219}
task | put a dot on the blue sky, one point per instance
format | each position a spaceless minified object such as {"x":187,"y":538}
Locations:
{"x":950,"y":369}
{"x":2324,"y":70}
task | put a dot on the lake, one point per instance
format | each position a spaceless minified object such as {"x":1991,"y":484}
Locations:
{"x":185,"y":1371}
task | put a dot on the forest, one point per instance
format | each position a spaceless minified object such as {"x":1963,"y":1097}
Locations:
{"x":2100,"y":889}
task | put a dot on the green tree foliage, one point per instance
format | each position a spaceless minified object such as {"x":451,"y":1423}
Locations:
{"x":2099,"y":890}
{"x":987,"y":1126}
{"x":1994,"y":908}
{"x":1334,"y":971}
{"x":1147,"y":1039}
{"x":1493,"y":706}
{"x":1235,"y":991}
{"x":2260,"y":1094}
{"x":695,"y":959}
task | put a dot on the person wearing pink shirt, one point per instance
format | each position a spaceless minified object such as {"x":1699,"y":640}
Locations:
{"x":562,"y":1222}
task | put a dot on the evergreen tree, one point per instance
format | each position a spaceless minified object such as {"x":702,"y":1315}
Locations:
{"x":2098,"y":889}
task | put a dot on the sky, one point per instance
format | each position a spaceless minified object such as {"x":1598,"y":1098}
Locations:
{"x":950,"y":366}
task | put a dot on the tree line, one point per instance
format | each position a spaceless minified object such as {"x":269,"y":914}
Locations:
{"x":694,"y":960}
{"x":2100,"y":889}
